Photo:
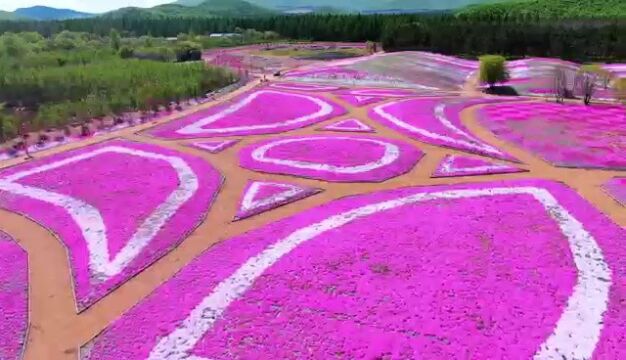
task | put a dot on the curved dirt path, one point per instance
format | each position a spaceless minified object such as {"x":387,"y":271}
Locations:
{"x":57,"y":331}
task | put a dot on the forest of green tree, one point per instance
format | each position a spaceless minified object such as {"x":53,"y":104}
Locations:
{"x":73,"y":77}
{"x":575,"y":39}
{"x":545,"y":9}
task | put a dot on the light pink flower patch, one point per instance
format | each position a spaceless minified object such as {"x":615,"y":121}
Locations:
{"x":257,"y":112}
{"x":360,"y":100}
{"x":568,"y":135}
{"x":617,"y":189}
{"x":117,"y":206}
{"x":213,"y":147}
{"x":332,"y":158}
{"x":456,"y":165}
{"x":261,"y":196}
{"x":437,"y":122}
{"x":302,"y":87}
{"x":497,"y":270}
{"x":349,"y":125}
{"x":377,"y":92}
{"x":13,"y":298}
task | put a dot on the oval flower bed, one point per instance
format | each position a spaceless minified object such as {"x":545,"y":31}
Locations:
{"x":421,"y":272}
{"x":117,"y":207}
{"x":332,"y":158}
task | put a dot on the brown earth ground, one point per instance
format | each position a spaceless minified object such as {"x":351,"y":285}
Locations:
{"x":57,"y":331}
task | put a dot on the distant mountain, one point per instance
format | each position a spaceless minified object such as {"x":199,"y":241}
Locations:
{"x":5,"y":15}
{"x":48,"y":13}
{"x":207,"y":8}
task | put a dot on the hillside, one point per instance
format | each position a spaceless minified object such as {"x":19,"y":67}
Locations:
{"x":357,"y":6}
{"x":547,"y":9}
{"x":209,"y":8}
{"x":48,"y":13}
{"x":6,"y":15}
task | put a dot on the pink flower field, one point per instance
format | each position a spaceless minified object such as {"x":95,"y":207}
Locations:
{"x":617,"y":189}
{"x":214,"y":147}
{"x":302,"y":87}
{"x":436,"y":121}
{"x":13,"y":298}
{"x":456,"y":165}
{"x":117,"y":207}
{"x":571,"y":135}
{"x":516,"y":269}
{"x":262,"y":196}
{"x":360,"y":100}
{"x":252,"y":113}
{"x":332,"y":158}
{"x":379,"y":92}
{"x":349,"y":125}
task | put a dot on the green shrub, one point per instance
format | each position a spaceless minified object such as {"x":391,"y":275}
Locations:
{"x":126,"y":52}
{"x":493,"y":69}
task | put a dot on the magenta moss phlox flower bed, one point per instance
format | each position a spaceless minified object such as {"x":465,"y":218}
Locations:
{"x":253,"y":113}
{"x":332,"y":72}
{"x":379,"y":92}
{"x":214,"y":147}
{"x":497,"y":270}
{"x":457,"y":165}
{"x":302,"y":87}
{"x":349,"y":125}
{"x":617,"y":189}
{"x":360,"y":100}
{"x":262,"y":196}
{"x":332,"y":157}
{"x":569,"y":135}
{"x":13,"y":298}
{"x":436,"y":122}
{"x":117,"y":206}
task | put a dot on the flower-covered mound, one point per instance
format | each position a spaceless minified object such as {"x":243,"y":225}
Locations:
{"x":117,"y":207}
{"x":332,"y":157}
{"x":496,"y":270}
{"x":571,"y":135}
{"x":252,"y":113}
{"x":302,"y":87}
{"x":436,"y":121}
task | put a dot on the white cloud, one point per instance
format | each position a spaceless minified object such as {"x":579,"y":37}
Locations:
{"x":94,"y":6}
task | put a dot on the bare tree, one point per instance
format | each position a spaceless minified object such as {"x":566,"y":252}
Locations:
{"x":560,"y":84}
{"x":586,"y":83}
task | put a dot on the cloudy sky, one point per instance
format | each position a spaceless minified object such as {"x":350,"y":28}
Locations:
{"x":94,"y":6}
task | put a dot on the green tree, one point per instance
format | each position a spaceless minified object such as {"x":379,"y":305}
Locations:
{"x":493,"y":70}
{"x":114,"y":37}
